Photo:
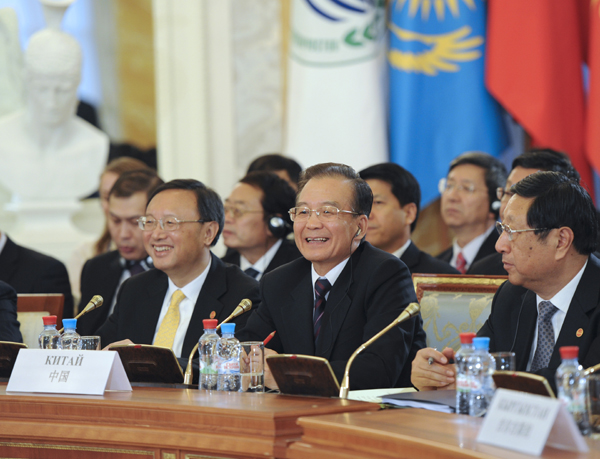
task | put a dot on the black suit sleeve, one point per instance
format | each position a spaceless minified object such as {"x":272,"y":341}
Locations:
{"x":9,"y":326}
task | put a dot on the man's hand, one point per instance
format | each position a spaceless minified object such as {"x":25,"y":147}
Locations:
{"x":124,"y":341}
{"x":269,"y":380}
{"x":439,"y":374}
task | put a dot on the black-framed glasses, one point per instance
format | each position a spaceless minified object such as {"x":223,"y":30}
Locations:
{"x":501,"y":227}
{"x":325,"y":213}
{"x":147,"y":223}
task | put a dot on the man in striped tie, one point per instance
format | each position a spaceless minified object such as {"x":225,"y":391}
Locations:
{"x":552,"y":296}
{"x":165,"y":306}
{"x":342,"y":291}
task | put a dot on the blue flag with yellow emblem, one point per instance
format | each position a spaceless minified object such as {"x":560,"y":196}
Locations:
{"x":439,"y":107}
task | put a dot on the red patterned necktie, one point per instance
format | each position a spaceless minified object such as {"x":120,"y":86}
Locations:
{"x":461,"y":263}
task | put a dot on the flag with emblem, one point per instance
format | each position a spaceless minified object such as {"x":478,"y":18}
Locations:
{"x":439,"y":107}
{"x":336,"y":85}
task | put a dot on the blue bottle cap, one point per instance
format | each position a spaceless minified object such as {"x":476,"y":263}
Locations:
{"x":481,"y":343}
{"x":70,"y":323}
{"x":228,"y":328}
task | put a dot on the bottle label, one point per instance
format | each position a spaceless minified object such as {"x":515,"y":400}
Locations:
{"x":229,"y":367}
{"x":207,"y":368}
{"x":462,"y":383}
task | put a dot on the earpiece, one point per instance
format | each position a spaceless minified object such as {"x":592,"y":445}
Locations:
{"x":358,"y":232}
{"x":495,"y":206}
{"x":278,"y":227}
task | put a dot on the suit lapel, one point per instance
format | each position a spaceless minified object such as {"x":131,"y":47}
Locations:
{"x":584,"y":301}
{"x":214,"y":287}
{"x":8,"y":260}
{"x":151,"y":306}
{"x":298,"y":314}
{"x":526,"y":323}
{"x":410,"y":257}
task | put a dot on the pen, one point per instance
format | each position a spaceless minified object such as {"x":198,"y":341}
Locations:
{"x":269,"y":338}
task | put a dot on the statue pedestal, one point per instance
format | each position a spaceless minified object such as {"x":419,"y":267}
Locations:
{"x":47,"y":226}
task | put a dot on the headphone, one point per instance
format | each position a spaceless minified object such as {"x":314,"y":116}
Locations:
{"x":358,"y":231}
{"x":278,"y":227}
{"x":495,"y":206}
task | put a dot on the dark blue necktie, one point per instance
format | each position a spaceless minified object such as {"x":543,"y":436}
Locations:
{"x":322,"y":286}
{"x":252,"y":272}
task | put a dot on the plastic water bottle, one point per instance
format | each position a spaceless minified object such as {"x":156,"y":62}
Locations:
{"x":70,"y":339}
{"x":228,"y":350}
{"x":49,"y":337}
{"x":481,"y":365}
{"x":462,"y":379}
{"x":571,"y":386}
{"x":208,"y":355}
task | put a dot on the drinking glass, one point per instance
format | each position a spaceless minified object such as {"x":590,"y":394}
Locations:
{"x":90,"y":343}
{"x":505,"y":361}
{"x":252,"y":366}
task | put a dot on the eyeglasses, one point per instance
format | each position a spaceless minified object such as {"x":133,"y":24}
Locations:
{"x":501,"y":227}
{"x":166,"y":224}
{"x":324,"y":214}
{"x":444,"y":186}
{"x":236,"y":212}
{"x":501,"y":192}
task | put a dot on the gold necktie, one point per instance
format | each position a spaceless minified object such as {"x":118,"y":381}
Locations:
{"x":168,"y":327}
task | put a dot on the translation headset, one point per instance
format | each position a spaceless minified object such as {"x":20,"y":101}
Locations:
{"x":278,"y":227}
{"x":495,"y":206}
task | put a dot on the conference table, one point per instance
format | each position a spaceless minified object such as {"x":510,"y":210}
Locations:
{"x":157,"y":422}
{"x":179,"y":423}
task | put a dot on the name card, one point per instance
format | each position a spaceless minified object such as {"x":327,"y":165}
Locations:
{"x":523,"y":422}
{"x":67,"y":372}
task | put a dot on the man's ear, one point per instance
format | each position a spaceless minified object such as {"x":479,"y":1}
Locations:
{"x":411,"y":212}
{"x":563,"y":240}
{"x":211,"y":229}
{"x":363,"y":223}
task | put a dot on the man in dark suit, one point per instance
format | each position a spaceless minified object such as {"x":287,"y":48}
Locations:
{"x":9,"y":325}
{"x":104,"y":274}
{"x":469,"y":207}
{"x":165,"y":306}
{"x":539,"y":159}
{"x":396,"y":201}
{"x":552,"y":295}
{"x":343,"y":291}
{"x":28,"y":271}
{"x":257,"y":223}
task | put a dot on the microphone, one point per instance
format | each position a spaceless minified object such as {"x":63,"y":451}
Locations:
{"x":94,"y":303}
{"x":411,"y":310}
{"x":244,"y":306}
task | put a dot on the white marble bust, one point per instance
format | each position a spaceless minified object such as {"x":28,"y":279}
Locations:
{"x":47,"y":152}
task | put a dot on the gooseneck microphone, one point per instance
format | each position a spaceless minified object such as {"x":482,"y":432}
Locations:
{"x":411,"y":310}
{"x":94,"y":303}
{"x":244,"y":306}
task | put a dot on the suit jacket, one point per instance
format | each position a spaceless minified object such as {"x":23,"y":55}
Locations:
{"x":372,"y":290}
{"x":512,"y":322}
{"x":28,"y":271}
{"x":141,"y":297}
{"x":100,"y":276}
{"x":9,"y":325}
{"x":287,"y":252}
{"x":420,"y":262}
{"x":487,"y":248}
{"x":489,"y":266}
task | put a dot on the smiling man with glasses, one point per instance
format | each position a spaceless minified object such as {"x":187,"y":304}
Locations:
{"x":342,"y":291}
{"x":552,"y":297}
{"x":166,"y":306}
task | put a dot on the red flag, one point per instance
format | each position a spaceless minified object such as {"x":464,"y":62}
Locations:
{"x":535,"y":50}
{"x":593,"y":115}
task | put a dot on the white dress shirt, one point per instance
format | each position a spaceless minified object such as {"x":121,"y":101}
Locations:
{"x":263,"y":262}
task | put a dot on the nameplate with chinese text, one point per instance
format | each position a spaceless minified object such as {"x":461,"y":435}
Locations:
{"x":67,"y":372}
{"x":523,"y":422}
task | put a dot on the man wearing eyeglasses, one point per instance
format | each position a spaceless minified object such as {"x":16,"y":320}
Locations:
{"x":552,"y":295}
{"x":342,"y":291}
{"x":257,"y":224}
{"x":469,"y":207}
{"x":104,"y":274}
{"x":165,"y":306}
{"x":522,"y":166}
